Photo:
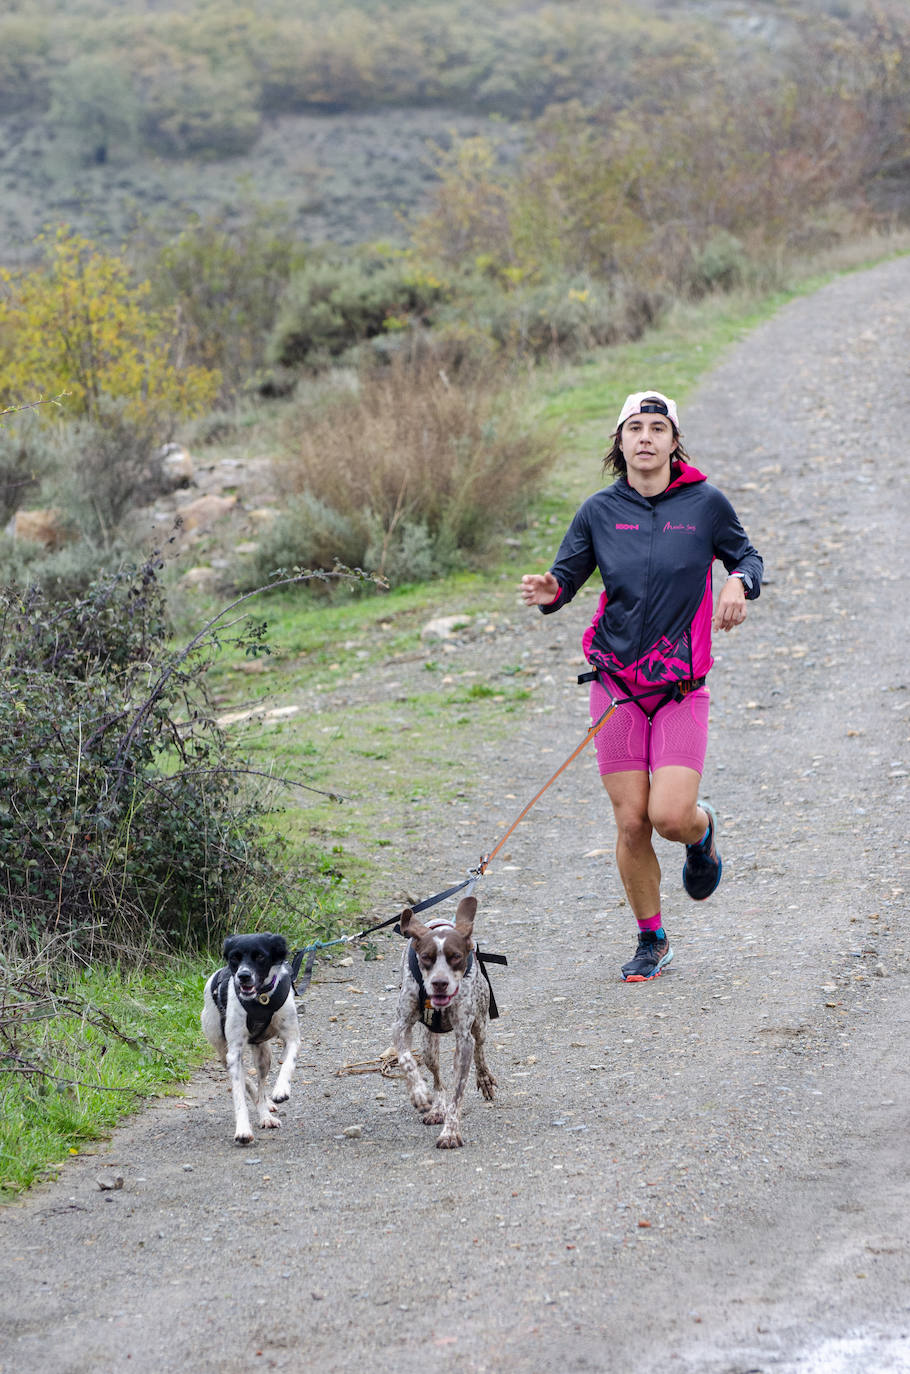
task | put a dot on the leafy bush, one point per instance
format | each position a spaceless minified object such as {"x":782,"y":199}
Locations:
{"x":96,"y":109}
{"x":193,"y":109}
{"x":415,"y":473}
{"x":26,"y":453}
{"x":720,"y":265}
{"x":227,"y":279}
{"x":332,"y":306}
{"x":84,"y":328}
{"x":121,"y":820}
{"x":62,"y":574}
{"x":104,"y":467}
{"x":557,"y":318}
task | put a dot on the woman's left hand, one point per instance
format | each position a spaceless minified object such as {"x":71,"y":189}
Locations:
{"x":730,"y":610}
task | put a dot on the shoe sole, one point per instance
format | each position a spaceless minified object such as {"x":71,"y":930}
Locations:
{"x":649,"y":977}
{"x":706,"y":806}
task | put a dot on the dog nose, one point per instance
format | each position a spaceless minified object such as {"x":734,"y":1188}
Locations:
{"x":440,"y":984}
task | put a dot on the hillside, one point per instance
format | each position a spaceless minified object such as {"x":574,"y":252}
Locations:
{"x":344,"y":178}
{"x":119,"y":116}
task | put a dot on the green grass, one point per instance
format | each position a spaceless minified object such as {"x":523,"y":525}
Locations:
{"x":86,"y":1077}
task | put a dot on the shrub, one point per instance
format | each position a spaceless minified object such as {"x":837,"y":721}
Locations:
{"x":412,"y":474}
{"x":96,"y":110}
{"x":121,"y":820}
{"x":25,"y":455}
{"x":557,"y":318}
{"x":332,"y":306}
{"x":83,"y":327}
{"x":227,"y":280}
{"x":62,"y":574}
{"x":721,"y":265}
{"x":104,"y":467}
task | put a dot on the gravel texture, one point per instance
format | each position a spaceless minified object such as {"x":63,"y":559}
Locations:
{"x":707,"y":1174}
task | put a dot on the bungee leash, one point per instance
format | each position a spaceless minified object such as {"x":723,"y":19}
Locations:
{"x":467,"y":885}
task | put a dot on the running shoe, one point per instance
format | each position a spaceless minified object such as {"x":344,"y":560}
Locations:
{"x":651,"y":957}
{"x":703,"y":866}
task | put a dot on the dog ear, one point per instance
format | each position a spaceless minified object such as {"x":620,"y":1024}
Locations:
{"x":278,"y":948}
{"x":410,"y":926}
{"x":228,"y":947}
{"x":464,"y":916}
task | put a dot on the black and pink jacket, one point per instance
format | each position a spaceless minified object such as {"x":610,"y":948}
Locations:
{"x":653,"y":620}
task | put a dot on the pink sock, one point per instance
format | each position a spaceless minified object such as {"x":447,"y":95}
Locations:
{"x":650,"y":922}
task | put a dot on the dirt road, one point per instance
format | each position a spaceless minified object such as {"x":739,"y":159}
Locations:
{"x":708,"y":1174}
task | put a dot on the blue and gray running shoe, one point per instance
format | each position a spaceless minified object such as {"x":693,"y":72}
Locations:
{"x":651,"y":957}
{"x":703,"y":866}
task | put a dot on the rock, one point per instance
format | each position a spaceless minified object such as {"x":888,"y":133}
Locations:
{"x":199,"y":579}
{"x":176,"y":466}
{"x":43,"y":527}
{"x":445,"y":626}
{"x":200,"y":515}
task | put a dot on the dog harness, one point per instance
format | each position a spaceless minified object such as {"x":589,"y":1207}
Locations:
{"x":259,"y":1008}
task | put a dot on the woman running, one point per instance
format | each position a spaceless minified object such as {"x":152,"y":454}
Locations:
{"x":653,"y":536}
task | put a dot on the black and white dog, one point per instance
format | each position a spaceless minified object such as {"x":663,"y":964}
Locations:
{"x":443,"y":989}
{"x":250,"y":1002}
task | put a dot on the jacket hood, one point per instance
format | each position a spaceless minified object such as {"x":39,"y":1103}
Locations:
{"x":686,"y":475}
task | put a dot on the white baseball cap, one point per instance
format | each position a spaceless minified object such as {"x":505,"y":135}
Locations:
{"x":648,"y":403}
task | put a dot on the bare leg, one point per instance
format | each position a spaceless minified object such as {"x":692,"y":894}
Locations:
{"x":635,"y":858}
{"x":672,"y":804}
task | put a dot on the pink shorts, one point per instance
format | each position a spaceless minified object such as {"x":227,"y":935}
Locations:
{"x":676,"y":735}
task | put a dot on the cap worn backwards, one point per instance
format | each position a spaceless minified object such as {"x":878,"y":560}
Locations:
{"x":648,"y":403}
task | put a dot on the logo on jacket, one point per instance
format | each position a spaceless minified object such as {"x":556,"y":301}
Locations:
{"x":668,"y":526}
{"x":627,"y":527}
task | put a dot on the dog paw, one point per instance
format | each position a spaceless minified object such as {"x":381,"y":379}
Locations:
{"x":280,"y":1096}
{"x":433,"y":1117}
{"x":270,"y":1123}
{"x":243,"y":1139}
{"x":449,"y":1140}
{"x":486,"y":1083}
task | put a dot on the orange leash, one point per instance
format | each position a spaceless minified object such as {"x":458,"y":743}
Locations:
{"x":482,"y":867}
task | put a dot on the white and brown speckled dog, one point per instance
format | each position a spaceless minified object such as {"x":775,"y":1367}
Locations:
{"x":443,"y":989}
{"x":250,"y":1002}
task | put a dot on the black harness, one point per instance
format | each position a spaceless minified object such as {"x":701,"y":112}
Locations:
{"x":432,"y":1017}
{"x":259,"y":1008}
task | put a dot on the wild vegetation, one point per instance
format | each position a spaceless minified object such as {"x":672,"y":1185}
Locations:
{"x":393,"y":385}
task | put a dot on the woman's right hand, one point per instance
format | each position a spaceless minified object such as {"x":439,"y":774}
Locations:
{"x":538,"y":589}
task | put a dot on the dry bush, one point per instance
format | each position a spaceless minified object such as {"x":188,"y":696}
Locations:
{"x":414,"y":462}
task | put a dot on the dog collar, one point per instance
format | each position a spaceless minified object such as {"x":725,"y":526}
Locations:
{"x":265,"y":996}
{"x":260,"y":1008}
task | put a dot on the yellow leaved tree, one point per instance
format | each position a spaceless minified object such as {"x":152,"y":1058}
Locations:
{"x":82,"y":326}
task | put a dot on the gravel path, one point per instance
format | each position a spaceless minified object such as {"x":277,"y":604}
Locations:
{"x":709,"y":1174}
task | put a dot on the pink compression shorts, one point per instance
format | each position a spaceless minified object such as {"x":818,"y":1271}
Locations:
{"x":676,"y":735}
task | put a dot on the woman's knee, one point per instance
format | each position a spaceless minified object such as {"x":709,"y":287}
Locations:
{"x":633,"y":828}
{"x":672,"y":820}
